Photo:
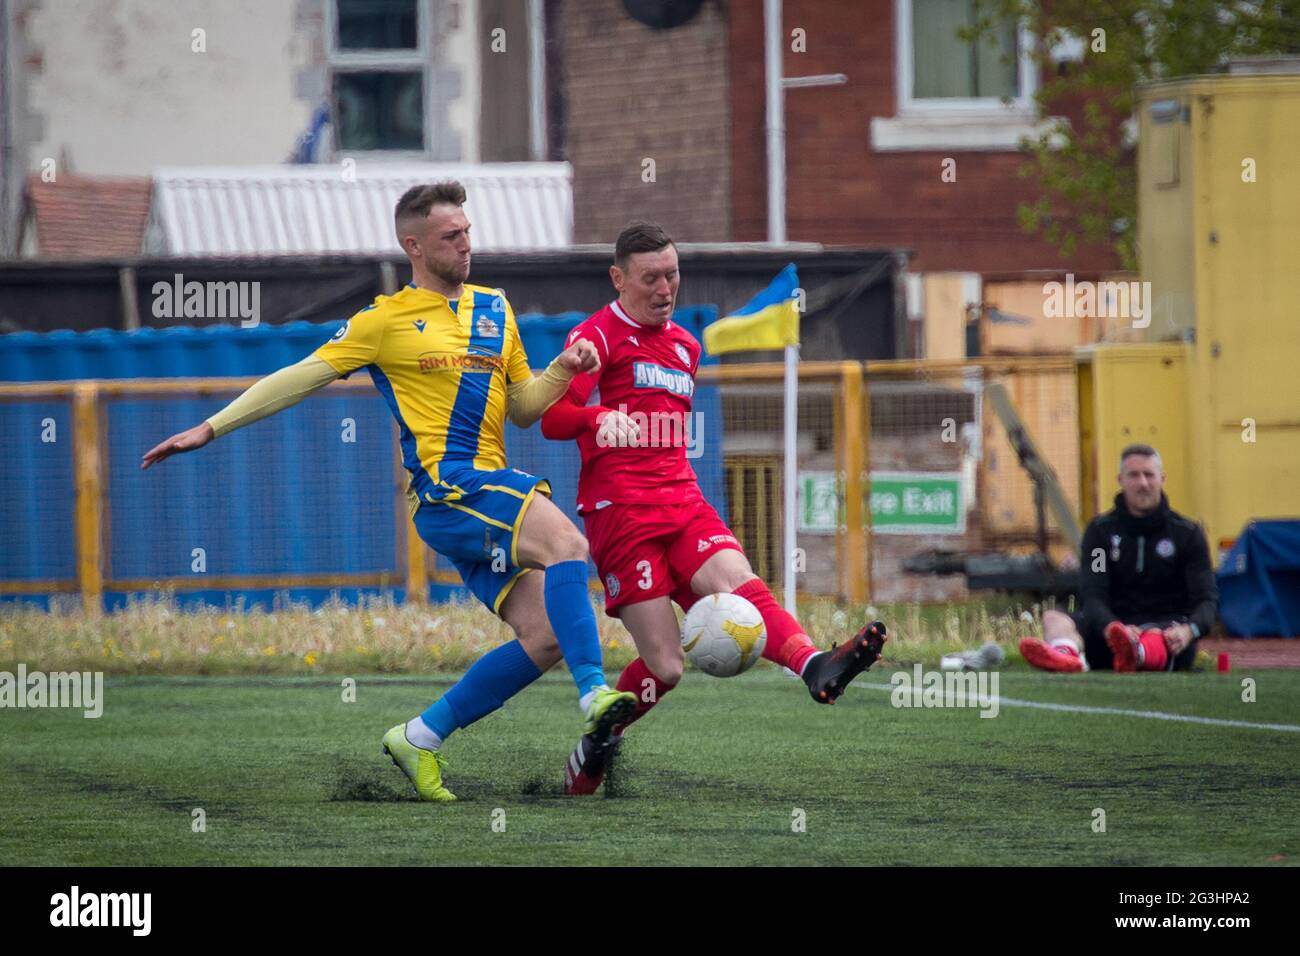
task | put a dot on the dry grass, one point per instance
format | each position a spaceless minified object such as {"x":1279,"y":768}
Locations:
{"x":156,"y":637}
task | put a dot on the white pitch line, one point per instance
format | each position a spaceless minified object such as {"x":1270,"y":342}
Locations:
{"x":1123,"y":712}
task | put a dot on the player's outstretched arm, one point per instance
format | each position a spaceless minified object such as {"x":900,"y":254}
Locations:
{"x":277,"y":391}
{"x":528,"y":400}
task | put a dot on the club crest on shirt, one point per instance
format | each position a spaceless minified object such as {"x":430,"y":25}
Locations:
{"x":682,"y":354}
{"x":1165,"y":548}
{"x":486,"y":327}
{"x":612,"y":585}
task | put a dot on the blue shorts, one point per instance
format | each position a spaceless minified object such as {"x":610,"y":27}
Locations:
{"x":475,"y":525}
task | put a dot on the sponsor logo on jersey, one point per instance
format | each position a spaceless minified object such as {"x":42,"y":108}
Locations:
{"x":459,"y":362}
{"x":485,"y":327}
{"x":647,"y":375}
{"x":419,"y":325}
{"x":682,"y":354}
{"x":612,"y":585}
{"x":632,"y":339}
{"x":703,"y":545}
{"x":1165,"y":548}
{"x":343,"y":330}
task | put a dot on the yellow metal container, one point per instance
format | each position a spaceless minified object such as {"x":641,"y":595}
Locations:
{"x":1130,"y":394}
{"x":1219,"y":241}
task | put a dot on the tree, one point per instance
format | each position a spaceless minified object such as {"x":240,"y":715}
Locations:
{"x":1086,"y":176}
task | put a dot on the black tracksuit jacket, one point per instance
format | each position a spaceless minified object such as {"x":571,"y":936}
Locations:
{"x":1150,"y":570}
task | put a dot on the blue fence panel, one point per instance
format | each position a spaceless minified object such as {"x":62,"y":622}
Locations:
{"x":37,"y":494}
{"x":288,"y":495}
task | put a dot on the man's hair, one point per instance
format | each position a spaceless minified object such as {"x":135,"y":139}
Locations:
{"x":418,"y":200}
{"x":639,"y":237}
{"x":1139,"y":449}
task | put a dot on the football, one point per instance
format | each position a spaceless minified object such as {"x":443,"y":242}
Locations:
{"x":723,"y":635}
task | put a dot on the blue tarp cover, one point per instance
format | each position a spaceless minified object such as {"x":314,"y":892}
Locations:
{"x":1259,"y":581}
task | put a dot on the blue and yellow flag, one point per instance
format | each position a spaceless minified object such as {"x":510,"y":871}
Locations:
{"x":769,"y":321}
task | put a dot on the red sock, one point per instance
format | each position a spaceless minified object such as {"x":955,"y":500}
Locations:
{"x":1157,"y":655}
{"x":637,"y":679}
{"x":787,"y":644}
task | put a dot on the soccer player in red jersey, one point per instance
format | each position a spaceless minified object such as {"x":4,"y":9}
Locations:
{"x":653,"y":536}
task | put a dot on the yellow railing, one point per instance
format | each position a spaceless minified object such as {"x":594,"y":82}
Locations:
{"x":89,"y":464}
{"x":848,"y":422}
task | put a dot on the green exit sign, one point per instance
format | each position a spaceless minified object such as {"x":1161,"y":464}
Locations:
{"x":917,"y":503}
{"x":900,"y":502}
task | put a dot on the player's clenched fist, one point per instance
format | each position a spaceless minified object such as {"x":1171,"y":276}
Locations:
{"x":580,"y":357}
{"x":614,"y":429}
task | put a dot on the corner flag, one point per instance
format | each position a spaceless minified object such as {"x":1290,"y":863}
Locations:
{"x":770,"y":320}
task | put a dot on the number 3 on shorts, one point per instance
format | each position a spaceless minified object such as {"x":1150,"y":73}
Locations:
{"x":647,"y":581}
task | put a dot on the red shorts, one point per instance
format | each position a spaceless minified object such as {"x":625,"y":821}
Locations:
{"x":650,"y":551}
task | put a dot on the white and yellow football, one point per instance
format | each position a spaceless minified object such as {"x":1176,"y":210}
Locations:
{"x":723,"y":635}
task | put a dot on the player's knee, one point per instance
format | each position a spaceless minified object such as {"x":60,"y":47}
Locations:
{"x":723,"y":573}
{"x":670,"y":670}
{"x":1057,"y":623}
{"x":736,"y":578}
{"x":569,"y":546}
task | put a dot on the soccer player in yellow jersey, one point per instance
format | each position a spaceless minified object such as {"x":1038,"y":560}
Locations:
{"x":447,"y":358}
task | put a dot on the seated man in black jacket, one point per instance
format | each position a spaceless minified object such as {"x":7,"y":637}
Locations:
{"x":1146,"y":590}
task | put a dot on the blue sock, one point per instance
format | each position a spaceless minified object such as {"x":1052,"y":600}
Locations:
{"x":568,"y":608}
{"x":493,"y":679}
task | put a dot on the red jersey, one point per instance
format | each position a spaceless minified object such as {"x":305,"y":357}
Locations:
{"x":648,"y":373}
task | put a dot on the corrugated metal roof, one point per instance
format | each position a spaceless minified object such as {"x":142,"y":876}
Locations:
{"x":279,"y":210}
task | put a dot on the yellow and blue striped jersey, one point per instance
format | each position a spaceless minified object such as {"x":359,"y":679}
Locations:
{"x":443,"y":367}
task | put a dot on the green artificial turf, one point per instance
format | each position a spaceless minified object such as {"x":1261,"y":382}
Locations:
{"x":722,"y":772}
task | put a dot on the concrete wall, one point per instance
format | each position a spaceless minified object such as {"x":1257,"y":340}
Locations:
{"x":115,"y":87}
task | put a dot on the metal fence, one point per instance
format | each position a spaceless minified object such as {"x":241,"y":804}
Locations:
{"x":304,"y":505}
{"x":894,"y":459}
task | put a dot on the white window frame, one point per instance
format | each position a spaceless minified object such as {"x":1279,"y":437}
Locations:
{"x":905,"y":75}
{"x":371,"y":61}
{"x":962,"y":123}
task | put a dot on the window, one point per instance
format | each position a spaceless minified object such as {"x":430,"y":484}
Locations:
{"x":946,"y":68}
{"x":442,"y":81}
{"x":377,"y":25}
{"x":954,"y":93}
{"x":378,"y":76}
